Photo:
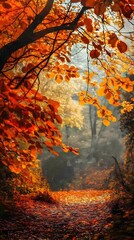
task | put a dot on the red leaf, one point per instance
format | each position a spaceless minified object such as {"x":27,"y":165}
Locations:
{"x":24,"y":69}
{"x":88,"y":3}
{"x":53,"y":105}
{"x":97,"y":46}
{"x":126,"y":10}
{"x":30,"y":66}
{"x":112,"y":39}
{"x":6,"y":5}
{"x":38,"y":145}
{"x":94,"y":54}
{"x":88,"y":23}
{"x":85,"y":39}
{"x":32,"y":147}
{"x":122,"y":46}
{"x":99,"y":9}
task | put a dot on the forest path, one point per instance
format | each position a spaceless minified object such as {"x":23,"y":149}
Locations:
{"x":79,"y":215}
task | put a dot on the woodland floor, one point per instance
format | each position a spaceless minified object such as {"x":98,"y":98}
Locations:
{"x":79,"y":215}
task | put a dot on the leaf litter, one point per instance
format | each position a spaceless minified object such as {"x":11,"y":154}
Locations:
{"x":77,"y":215}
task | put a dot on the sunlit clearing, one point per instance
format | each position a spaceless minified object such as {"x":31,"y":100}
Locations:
{"x":83,"y":196}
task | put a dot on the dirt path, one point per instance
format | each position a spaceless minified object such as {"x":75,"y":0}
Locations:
{"x":80,"y":215}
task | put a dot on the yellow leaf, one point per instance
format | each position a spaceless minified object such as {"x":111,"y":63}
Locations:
{"x":127,"y":87}
{"x":23,"y":166}
{"x":102,"y":112}
{"x":52,"y":75}
{"x":114,"y":119}
{"x":100,"y":91}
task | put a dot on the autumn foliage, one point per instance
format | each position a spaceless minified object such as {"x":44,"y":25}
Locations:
{"x":38,"y":36}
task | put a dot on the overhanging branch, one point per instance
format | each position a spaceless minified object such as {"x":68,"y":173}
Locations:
{"x":28,"y":36}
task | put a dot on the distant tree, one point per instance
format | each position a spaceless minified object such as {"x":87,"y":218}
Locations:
{"x":69,"y":109}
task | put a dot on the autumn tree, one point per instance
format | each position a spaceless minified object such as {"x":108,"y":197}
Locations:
{"x":33,"y":31}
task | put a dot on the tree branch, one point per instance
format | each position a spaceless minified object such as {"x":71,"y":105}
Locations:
{"x":46,"y":59}
{"x":38,"y":19}
{"x":28,"y":36}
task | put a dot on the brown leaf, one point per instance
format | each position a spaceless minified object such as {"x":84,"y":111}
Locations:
{"x":122,"y":46}
{"x":94,"y":54}
{"x":112,"y":39}
{"x":6,"y":5}
{"x":85,"y":39}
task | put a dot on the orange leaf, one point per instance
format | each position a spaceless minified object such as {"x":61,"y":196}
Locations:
{"x":106,"y":122}
{"x":65,"y":148}
{"x":108,"y":95}
{"x":53,"y":105}
{"x":122,"y":46}
{"x":48,"y":143}
{"x":5,"y":163}
{"x":50,"y":124}
{"x":59,"y":78}
{"x":55,"y":153}
{"x":14,"y":169}
{"x":75,"y":151}
{"x":33,"y":152}
{"x":58,"y":118}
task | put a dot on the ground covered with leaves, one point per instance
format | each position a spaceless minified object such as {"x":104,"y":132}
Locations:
{"x":76,"y":215}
